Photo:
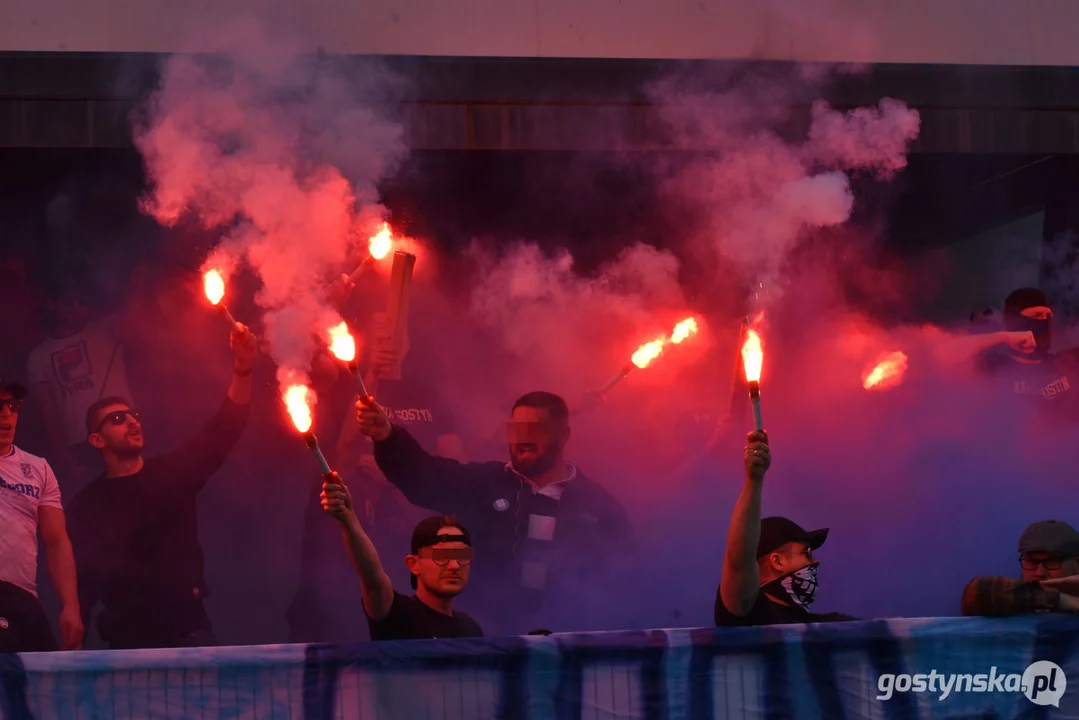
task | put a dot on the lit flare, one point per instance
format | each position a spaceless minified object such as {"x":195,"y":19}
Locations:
{"x":342,"y":344}
{"x":753,"y":361}
{"x":683,"y":330}
{"x":380,"y":244}
{"x":887,"y":373}
{"x":343,"y":347}
{"x":214,"y":286}
{"x":753,"y":356}
{"x":298,"y":407}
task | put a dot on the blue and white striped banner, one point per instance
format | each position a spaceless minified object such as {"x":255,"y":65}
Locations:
{"x":885,"y":669}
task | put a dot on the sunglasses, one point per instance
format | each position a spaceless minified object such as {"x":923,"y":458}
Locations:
{"x":118,"y":417}
{"x":1049,"y":563}
{"x":11,"y":404}
{"x":442,"y":556}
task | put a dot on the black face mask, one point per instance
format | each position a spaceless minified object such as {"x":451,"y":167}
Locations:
{"x":1042,"y":330}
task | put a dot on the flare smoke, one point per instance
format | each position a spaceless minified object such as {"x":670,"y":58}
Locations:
{"x":282,"y":152}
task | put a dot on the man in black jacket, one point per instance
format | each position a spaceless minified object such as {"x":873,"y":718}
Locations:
{"x":541,"y":528}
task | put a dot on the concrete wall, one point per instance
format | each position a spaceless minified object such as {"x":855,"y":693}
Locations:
{"x":1002,"y":32}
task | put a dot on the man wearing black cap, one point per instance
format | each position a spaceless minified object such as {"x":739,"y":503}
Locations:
{"x":769,"y":571}
{"x":30,"y":505}
{"x":1030,"y":365}
{"x":440,"y":562}
{"x":1049,"y":558}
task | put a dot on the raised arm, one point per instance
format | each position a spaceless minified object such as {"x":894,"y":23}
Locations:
{"x":207,"y":451}
{"x":441,"y":484}
{"x":954,"y":349}
{"x":740,"y":582}
{"x":377,"y":588}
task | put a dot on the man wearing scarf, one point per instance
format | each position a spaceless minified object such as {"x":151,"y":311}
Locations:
{"x":769,"y":570}
{"x":1032,"y":367}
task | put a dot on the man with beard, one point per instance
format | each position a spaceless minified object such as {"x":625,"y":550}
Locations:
{"x":439,"y":564}
{"x":769,"y":571}
{"x":541,"y":526}
{"x":135,"y":527}
{"x":1031,"y":367}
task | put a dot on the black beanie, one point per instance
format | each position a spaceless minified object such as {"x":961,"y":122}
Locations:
{"x":1022,"y":299}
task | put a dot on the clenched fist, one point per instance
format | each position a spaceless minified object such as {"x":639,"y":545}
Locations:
{"x":372,"y":419}
{"x":758,"y":457}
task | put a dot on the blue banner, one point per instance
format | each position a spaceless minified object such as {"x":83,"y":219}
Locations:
{"x":886,"y":669}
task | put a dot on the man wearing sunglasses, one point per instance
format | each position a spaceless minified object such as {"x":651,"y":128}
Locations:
{"x":440,"y":562}
{"x":135,"y":527}
{"x":1049,"y":564}
{"x":552,"y":540}
{"x":29,"y":505}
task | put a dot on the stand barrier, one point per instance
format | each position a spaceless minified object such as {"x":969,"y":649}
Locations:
{"x":954,"y":668}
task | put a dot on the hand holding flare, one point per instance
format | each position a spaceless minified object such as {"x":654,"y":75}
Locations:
{"x":753,"y":359}
{"x":213,"y":284}
{"x":300,"y":411}
{"x":378,"y":247}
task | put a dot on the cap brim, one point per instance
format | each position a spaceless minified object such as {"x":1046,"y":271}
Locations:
{"x":17,"y":390}
{"x":816,"y":538}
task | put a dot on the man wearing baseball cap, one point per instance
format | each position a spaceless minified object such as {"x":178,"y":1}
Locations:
{"x":1049,"y":560}
{"x":769,"y":570}
{"x":440,"y":561}
{"x":30,"y":506}
{"x":1030,"y":365}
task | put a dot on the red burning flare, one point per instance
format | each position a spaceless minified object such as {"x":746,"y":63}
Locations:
{"x":299,"y":409}
{"x":213,"y":284}
{"x":380,"y":244}
{"x":342,"y":344}
{"x":753,"y":356}
{"x":648,"y":352}
{"x":887,"y":373}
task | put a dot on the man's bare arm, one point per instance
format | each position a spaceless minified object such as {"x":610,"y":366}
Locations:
{"x":740,"y":581}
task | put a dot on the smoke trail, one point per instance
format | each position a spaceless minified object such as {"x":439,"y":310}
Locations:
{"x":768,"y":175}
{"x":282,"y":152}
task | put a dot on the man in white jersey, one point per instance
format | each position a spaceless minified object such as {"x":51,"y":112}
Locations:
{"x":30,"y":503}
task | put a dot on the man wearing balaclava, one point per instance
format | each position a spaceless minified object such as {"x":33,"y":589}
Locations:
{"x":769,"y":569}
{"x":1032,"y":366}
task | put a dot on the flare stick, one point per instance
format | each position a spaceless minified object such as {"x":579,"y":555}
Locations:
{"x":312,"y":443}
{"x":755,"y":398}
{"x":361,"y":386}
{"x":228,"y":316}
{"x":626,"y":370}
{"x":360,"y":269}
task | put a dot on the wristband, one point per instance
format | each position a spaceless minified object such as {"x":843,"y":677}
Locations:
{"x":241,"y":373}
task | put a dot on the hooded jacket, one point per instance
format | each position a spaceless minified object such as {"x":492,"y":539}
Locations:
{"x":530,"y":542}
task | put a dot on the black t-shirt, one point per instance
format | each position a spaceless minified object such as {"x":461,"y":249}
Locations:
{"x":410,"y":619}
{"x":414,"y":406}
{"x":768,"y":612}
{"x":324,"y":608}
{"x":1054,"y":379}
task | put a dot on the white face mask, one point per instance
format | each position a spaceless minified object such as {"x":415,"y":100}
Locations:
{"x":800,"y":586}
